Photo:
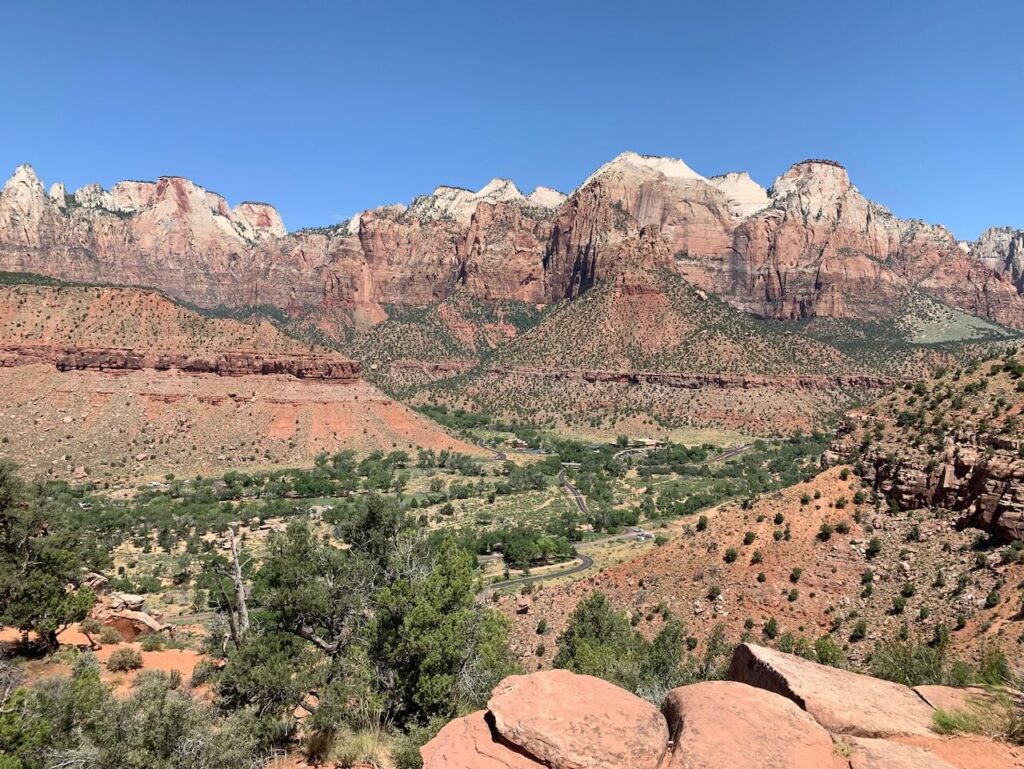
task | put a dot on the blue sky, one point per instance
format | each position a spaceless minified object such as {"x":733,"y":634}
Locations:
{"x":327,"y":108}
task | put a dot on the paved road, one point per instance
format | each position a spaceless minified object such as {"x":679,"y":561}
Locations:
{"x":501,"y":456}
{"x":585,"y":562}
{"x":576,"y":494}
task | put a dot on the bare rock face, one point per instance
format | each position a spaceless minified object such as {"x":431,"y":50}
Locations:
{"x":811,"y":246}
{"x":469,"y":743}
{"x":746,"y":197}
{"x":884,"y":754}
{"x":979,"y":476}
{"x":1001,"y":249}
{"x":504,"y":253}
{"x":568,"y":721}
{"x":783,"y":713}
{"x":623,"y":197}
{"x":725,"y":725}
{"x":843,"y":702}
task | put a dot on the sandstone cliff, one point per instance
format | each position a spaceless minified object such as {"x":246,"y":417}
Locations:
{"x":953,"y":442}
{"x":811,"y":246}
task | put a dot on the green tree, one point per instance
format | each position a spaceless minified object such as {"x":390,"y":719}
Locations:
{"x":39,"y":558}
{"x":434,"y":647}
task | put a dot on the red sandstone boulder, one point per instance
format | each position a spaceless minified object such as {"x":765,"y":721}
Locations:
{"x":568,"y":721}
{"x":727,"y":725}
{"x":950,"y":698}
{"x":469,"y":743}
{"x":884,"y":754}
{"x":841,"y":701}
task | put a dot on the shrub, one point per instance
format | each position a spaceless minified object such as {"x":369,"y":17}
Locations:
{"x":124,"y":659}
{"x":992,"y":599}
{"x":151,"y":642}
{"x":794,"y":576}
{"x":874,"y":547}
{"x":730,"y":555}
{"x":203,"y":671}
{"x":756,"y":557}
{"x":702,"y":523}
{"x":841,"y":503}
{"x":110,"y":635}
{"x":779,"y":517}
{"x":540,"y":650}
{"x":761,"y":576}
{"x":771,"y":628}
{"x":365,"y":746}
{"x":714,"y":592}
{"x":793,"y":595}
{"x":957,"y":722}
{"x":860,"y":630}
{"x":749,"y":537}
{"x":406,"y":749}
{"x":825,"y":532}
{"x":843,"y":527}
{"x":542,"y":626}
{"x":908,"y":590}
{"x":899,"y":603}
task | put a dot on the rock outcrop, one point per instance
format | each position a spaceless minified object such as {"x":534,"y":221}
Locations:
{"x":227,"y":363}
{"x":611,"y":728}
{"x":843,"y":702}
{"x":1001,"y":249}
{"x":979,"y":476}
{"x":724,"y":725}
{"x":787,"y":713}
{"x":810,"y":246}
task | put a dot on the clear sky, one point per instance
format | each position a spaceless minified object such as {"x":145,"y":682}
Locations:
{"x":328,"y":108}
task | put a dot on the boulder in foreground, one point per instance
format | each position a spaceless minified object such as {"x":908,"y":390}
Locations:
{"x":569,"y":721}
{"x":727,"y":725}
{"x":841,"y":701}
{"x":469,"y":743}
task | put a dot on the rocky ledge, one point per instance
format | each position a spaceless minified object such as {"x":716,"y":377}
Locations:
{"x":698,"y":381}
{"x":67,"y":358}
{"x":979,"y":476}
{"x":779,"y":711}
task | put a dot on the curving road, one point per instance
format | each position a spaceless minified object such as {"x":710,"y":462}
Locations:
{"x":585,"y":563}
{"x":576,"y":494}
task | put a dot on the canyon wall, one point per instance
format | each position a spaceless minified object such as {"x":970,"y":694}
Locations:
{"x":810,"y":246}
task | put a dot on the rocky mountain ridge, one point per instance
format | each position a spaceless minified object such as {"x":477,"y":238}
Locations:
{"x":810,"y":246}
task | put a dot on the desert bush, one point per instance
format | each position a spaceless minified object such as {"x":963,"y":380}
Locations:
{"x":110,"y":635}
{"x":124,"y":659}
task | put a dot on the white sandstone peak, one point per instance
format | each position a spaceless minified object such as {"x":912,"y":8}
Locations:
{"x":746,"y":197}
{"x":633,"y":163}
{"x":546,"y":197}
{"x":58,"y":194}
{"x":459,"y":204}
{"x":24,"y":175}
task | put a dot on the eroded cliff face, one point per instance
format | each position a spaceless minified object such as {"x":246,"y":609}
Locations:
{"x":1001,"y":249}
{"x":979,"y":477}
{"x":227,"y":363}
{"x":811,"y":246}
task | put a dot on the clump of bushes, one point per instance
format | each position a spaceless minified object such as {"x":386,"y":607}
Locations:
{"x":124,"y":659}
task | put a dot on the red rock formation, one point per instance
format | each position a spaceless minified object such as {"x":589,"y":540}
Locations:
{"x":67,"y":358}
{"x":784,"y":713}
{"x":979,"y":476}
{"x":612,"y":729}
{"x":819,"y":249}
